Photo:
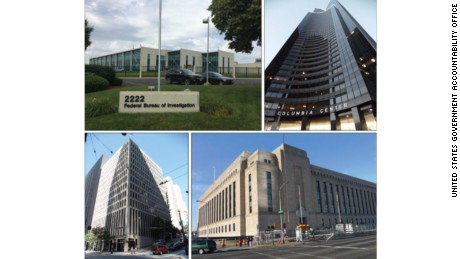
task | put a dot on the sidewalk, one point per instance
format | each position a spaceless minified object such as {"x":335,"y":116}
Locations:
{"x":237,"y":248}
{"x":144,"y":252}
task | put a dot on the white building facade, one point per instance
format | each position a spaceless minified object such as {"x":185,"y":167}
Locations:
{"x":177,"y":206}
{"x":130,"y":195}
{"x":281,"y":189}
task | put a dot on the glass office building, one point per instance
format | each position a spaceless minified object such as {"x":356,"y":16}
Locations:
{"x":324,"y":77}
{"x":124,"y":194}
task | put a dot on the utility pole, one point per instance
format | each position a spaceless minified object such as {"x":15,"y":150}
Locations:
{"x":181,"y":225}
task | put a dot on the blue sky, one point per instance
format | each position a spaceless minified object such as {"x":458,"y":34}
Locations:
{"x":122,"y":25}
{"x":282,"y":17}
{"x":169,"y":151}
{"x":350,"y":153}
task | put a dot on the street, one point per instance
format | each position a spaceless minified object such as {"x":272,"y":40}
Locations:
{"x":154,"y":81}
{"x":141,"y":254}
{"x":351,"y":248}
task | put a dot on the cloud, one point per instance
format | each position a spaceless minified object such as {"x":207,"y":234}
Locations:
{"x":122,"y":25}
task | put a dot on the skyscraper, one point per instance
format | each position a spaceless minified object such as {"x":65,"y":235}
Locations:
{"x":324,"y":77}
{"x":125,"y":195}
{"x":177,"y":206}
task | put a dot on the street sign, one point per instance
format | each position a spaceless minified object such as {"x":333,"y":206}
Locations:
{"x":281,"y":212}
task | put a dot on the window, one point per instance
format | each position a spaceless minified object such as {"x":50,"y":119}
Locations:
{"x":319,"y":205}
{"x":326,"y":197}
{"x":269,"y":192}
{"x":234,"y":199}
{"x":250,"y":194}
{"x":332,"y":197}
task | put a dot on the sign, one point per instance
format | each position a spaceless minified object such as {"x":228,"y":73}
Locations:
{"x":315,"y":111}
{"x":281,"y":212}
{"x":158,"y":102}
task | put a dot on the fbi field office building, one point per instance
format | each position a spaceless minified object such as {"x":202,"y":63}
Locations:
{"x":248,"y":196}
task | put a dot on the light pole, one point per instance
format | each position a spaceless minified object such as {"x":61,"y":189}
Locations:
{"x":281,"y":212}
{"x":159,"y":50}
{"x":207,"y":54}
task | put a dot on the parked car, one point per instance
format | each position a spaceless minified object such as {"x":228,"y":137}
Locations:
{"x":217,"y":79}
{"x":174,"y":246}
{"x":160,"y":249}
{"x":183,"y":76}
{"x":202,"y":246}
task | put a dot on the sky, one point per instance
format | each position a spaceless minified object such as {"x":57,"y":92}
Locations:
{"x":283,"y":17}
{"x":349,"y":153}
{"x":122,"y":25}
{"x":169,"y":151}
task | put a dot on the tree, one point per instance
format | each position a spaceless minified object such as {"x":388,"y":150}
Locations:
{"x":163,"y":228}
{"x":240,"y":20}
{"x":88,"y":30}
{"x":97,"y":235}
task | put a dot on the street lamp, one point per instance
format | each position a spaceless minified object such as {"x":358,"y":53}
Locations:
{"x":207,"y":54}
{"x":159,"y":49}
{"x":281,"y":212}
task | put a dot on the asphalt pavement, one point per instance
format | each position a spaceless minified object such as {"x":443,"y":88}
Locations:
{"x":154,"y":81}
{"x":142,"y":253}
{"x":350,"y":248}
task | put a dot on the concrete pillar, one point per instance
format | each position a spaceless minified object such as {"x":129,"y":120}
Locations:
{"x":356,"y":118}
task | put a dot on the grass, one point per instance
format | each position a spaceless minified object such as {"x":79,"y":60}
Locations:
{"x":236,"y":107}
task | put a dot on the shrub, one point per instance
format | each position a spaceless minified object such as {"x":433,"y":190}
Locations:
{"x":104,"y":71}
{"x":94,"y":83}
{"x":117,"y":82}
{"x":98,"y":107}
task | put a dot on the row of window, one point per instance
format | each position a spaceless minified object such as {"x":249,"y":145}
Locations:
{"x":220,"y":207}
{"x":218,"y":230}
{"x":346,"y":199}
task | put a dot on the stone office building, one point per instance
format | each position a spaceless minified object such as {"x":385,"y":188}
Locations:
{"x":325,"y":75}
{"x":248,"y":195}
{"x":124,"y":194}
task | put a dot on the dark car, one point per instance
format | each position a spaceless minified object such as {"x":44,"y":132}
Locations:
{"x":183,"y":76}
{"x":160,"y":249}
{"x":174,"y":246}
{"x":217,"y":79}
{"x":202,"y":246}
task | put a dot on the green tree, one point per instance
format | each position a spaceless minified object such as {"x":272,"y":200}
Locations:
{"x":163,"y":228}
{"x":240,"y":20}
{"x":88,"y":30}
{"x":97,"y":234}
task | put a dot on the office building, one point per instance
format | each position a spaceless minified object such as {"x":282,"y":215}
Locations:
{"x":324,"y":77}
{"x":177,"y":206}
{"x":124,"y":195}
{"x":146,"y":59}
{"x":249,"y":195}
{"x":142,"y":58}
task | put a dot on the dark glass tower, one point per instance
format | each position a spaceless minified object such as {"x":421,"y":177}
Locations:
{"x":324,"y":77}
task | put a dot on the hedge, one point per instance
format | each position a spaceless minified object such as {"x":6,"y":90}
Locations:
{"x":95,"y":83}
{"x":103,"y":71}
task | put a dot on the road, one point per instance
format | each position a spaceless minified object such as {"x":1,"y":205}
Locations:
{"x":127,"y":255}
{"x":352,"y":248}
{"x":154,"y":81}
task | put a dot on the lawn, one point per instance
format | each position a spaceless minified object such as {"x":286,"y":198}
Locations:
{"x":236,"y":107}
